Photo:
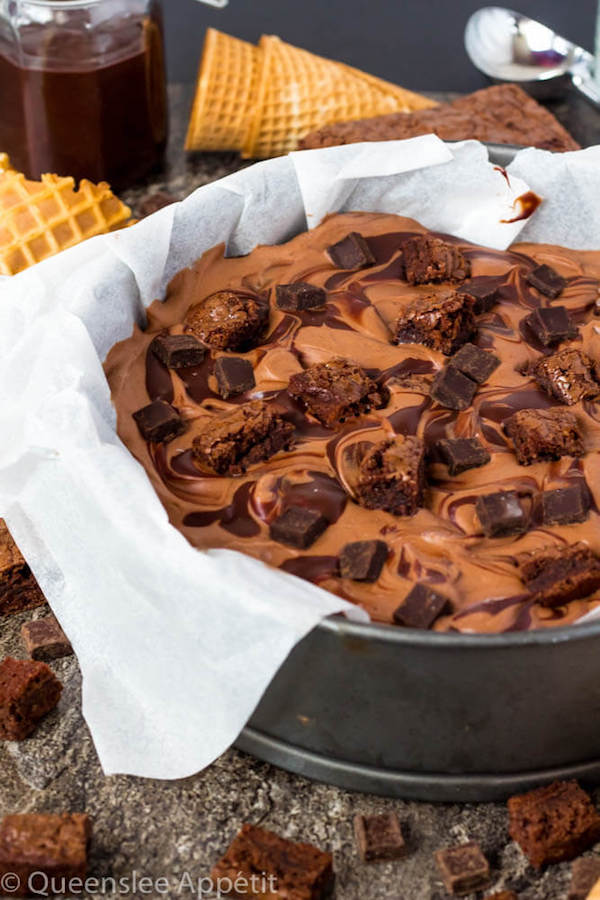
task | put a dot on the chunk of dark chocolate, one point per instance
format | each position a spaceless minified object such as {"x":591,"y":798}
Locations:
{"x":45,"y":640}
{"x":363,"y":560}
{"x":442,"y":321}
{"x":379,"y":838}
{"x":178,"y":350}
{"x":557,"y":576}
{"x":501,"y":514}
{"x":585,"y":872}
{"x":568,"y":375}
{"x":421,"y":607}
{"x":475,"y":363}
{"x":547,"y":281}
{"x":482,"y":293}
{"x":352,"y":252}
{"x":461,"y":454}
{"x":452,"y":389}
{"x":550,"y":325}
{"x":298,"y":527}
{"x":564,"y":506}
{"x":544,"y":434}
{"x":336,"y":390}
{"x":428,"y":259}
{"x":159,"y":422}
{"x":234,"y":375}
{"x":463,"y":868}
{"x":228,"y":320}
{"x":391,"y":476}
{"x":300,"y":295}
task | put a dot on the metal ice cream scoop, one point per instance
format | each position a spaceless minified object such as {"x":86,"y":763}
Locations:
{"x":508,"y":46}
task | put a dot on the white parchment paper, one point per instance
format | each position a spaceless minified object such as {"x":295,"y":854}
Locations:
{"x":177,"y":646}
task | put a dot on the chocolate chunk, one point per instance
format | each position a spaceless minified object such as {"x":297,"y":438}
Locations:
{"x":336,"y":391}
{"x":550,"y":325}
{"x":391,"y":476}
{"x":475,"y":363}
{"x":461,"y":454}
{"x":544,"y":434}
{"x":555,"y":577}
{"x":547,"y":281}
{"x":234,"y":375}
{"x":553,"y":823}
{"x":45,"y":640}
{"x":463,"y":868}
{"x":483,"y":294}
{"x":452,"y":389}
{"x":379,"y":838}
{"x":421,"y":607}
{"x":585,"y":872}
{"x":228,"y":320}
{"x":159,"y":422}
{"x":300,"y":295}
{"x":501,"y":514}
{"x":569,"y":376}
{"x":428,"y":259}
{"x":565,"y":505}
{"x":352,"y":252}
{"x":43,"y":849}
{"x":28,"y":690}
{"x":363,"y":560}
{"x":157,"y":200}
{"x":442,"y":321}
{"x":249,"y":434}
{"x":178,"y":350}
{"x":298,"y":527}
{"x":18,"y":588}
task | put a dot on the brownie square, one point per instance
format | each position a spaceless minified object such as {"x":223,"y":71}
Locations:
{"x":228,"y":320}
{"x":45,"y":640}
{"x":544,"y":434}
{"x":40,"y":846}
{"x":335,"y":391}
{"x":275,"y":867}
{"x":585,"y":872}
{"x":249,"y":434}
{"x":568,"y":375}
{"x":557,"y":576}
{"x":463,"y":868}
{"x":553,"y":823}
{"x":28,"y":690}
{"x":429,"y":259}
{"x":391,"y":476}
{"x":379,"y":838}
{"x":18,"y":588}
{"x":442,"y":321}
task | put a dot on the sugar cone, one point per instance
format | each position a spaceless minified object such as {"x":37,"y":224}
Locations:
{"x":409,"y":99}
{"x":38,"y":219}
{"x":224,"y":94}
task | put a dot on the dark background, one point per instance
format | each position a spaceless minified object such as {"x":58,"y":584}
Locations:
{"x":416,"y":43}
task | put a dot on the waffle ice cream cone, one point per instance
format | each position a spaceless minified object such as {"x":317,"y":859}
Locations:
{"x":224,"y":95}
{"x":409,"y":99}
{"x":40,"y":218}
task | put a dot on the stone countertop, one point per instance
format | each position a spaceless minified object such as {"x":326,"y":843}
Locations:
{"x":177,"y":830}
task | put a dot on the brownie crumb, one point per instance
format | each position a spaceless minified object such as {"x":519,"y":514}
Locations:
{"x":463,"y":868}
{"x":461,"y":454}
{"x":28,"y":691}
{"x":18,"y":588}
{"x":352,"y":252}
{"x":442,"y":321}
{"x":228,"y":320}
{"x":429,"y":259}
{"x":557,"y":576}
{"x":363,"y":560}
{"x":45,"y":640}
{"x":335,"y":391}
{"x":421,"y":607}
{"x":379,"y":838}
{"x":391,"y":476}
{"x":547,"y":281}
{"x":544,"y":434}
{"x":299,"y":295}
{"x":501,"y":514}
{"x":298,"y":527}
{"x":568,"y":375}
{"x":234,"y":376}
{"x":585,"y":872}
{"x":159,"y":422}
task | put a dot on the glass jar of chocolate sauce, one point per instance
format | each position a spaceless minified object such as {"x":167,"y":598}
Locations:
{"x":82,"y":88}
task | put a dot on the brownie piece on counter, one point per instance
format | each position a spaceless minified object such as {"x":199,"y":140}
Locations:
{"x":379,"y":838}
{"x":53,"y":845}
{"x":553,"y":823}
{"x":547,"y":281}
{"x":585,"y":872}
{"x":28,"y":691}
{"x":335,"y":391}
{"x":298,"y":527}
{"x":461,"y":454}
{"x":249,"y":434}
{"x":556,"y":576}
{"x":564,"y":506}
{"x":18,"y":588}
{"x":391,"y":476}
{"x":274,"y":866}
{"x":544,"y":434}
{"x":363,"y":560}
{"x":442,"y":321}
{"x":421,"y":607}
{"x":569,"y":376}
{"x":463,"y":868}
{"x":501,"y":514}
{"x":429,"y":259}
{"x":352,"y":252}
{"x":45,"y":640}
{"x":228,"y":320}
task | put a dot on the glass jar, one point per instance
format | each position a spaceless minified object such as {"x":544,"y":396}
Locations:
{"x":82,"y":88}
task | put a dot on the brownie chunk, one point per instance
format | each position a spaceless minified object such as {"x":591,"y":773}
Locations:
{"x":352,"y":252}
{"x":280,"y":867}
{"x":553,"y":823}
{"x":555,"y":577}
{"x":178,"y":350}
{"x":568,"y":375}
{"x":43,"y":846}
{"x":463,"y":868}
{"x":475,"y":363}
{"x":421,"y":607}
{"x":501,"y":514}
{"x":249,"y":434}
{"x":159,"y":422}
{"x":550,"y":325}
{"x":461,"y":454}
{"x":363,"y":560}
{"x":228,"y":320}
{"x":428,"y":259}
{"x":299,"y":295}
{"x":585,"y":872}
{"x":442,"y":321}
{"x":28,"y":690}
{"x":452,"y":389}
{"x":379,"y":838}
{"x":18,"y":588}
{"x":482,"y":293}
{"x":391,"y":476}
{"x":564,"y":506}
{"x":45,"y":640}
{"x":547,"y":281}
{"x":544,"y":434}
{"x":335,"y":391}
{"x":298,"y":527}
{"x":234,"y":375}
